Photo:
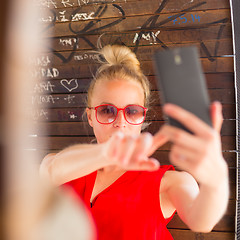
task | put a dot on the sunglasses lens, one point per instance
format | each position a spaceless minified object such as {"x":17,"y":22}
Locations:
{"x":135,"y":114}
{"x":106,"y":113}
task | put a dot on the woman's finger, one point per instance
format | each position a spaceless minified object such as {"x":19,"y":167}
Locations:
{"x":120,"y":148}
{"x":180,"y":161}
{"x":189,"y":120}
{"x":183,"y":155}
{"x":150,"y":165}
{"x":159,"y":139}
{"x":216,"y":115}
{"x":183,"y":138}
{"x":125,"y":149}
{"x":183,"y":158}
{"x":143,"y":145}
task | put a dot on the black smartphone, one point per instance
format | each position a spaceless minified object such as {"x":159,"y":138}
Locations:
{"x":182,"y":82}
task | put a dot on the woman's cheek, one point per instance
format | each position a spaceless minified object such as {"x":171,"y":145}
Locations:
{"x":102,"y":135}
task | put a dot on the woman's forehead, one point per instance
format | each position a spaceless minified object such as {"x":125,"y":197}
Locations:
{"x":118,"y":91}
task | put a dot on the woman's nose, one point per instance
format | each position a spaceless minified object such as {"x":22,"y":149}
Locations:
{"x":120,"y":120}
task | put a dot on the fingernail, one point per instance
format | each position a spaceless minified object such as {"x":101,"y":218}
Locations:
{"x":217,"y":103}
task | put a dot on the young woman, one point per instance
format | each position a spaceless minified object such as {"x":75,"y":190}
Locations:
{"x":130,"y":195}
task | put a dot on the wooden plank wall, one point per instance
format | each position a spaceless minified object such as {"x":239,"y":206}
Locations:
{"x":74,"y":27}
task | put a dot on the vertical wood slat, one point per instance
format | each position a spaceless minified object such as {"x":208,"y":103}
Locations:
{"x":235,"y":9}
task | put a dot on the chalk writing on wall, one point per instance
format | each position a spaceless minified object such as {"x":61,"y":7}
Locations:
{"x":69,"y":115}
{"x":69,"y":3}
{"x":44,"y":99}
{"x":72,"y":115}
{"x":43,"y":87}
{"x":85,"y":56}
{"x":45,"y":73}
{"x":152,"y":23}
{"x":150,"y":36}
{"x":60,"y":16}
{"x":149,"y":31}
{"x":38,"y":114}
{"x":67,"y":41}
{"x":84,"y":24}
{"x":69,"y":99}
{"x":70,"y":85}
{"x":40,"y":61}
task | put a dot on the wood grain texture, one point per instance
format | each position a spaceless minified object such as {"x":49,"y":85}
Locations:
{"x":83,"y":128}
{"x":122,"y":23}
{"x":185,"y":234}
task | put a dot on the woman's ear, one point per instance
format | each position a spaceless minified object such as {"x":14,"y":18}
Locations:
{"x":89,"y":116}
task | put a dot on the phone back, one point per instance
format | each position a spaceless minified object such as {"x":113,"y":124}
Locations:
{"x":181,"y":81}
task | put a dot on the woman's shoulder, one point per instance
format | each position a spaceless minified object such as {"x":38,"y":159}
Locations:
{"x":177,"y":179}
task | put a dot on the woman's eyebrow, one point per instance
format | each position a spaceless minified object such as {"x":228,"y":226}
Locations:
{"x":107,"y":103}
{"x":115,"y":105}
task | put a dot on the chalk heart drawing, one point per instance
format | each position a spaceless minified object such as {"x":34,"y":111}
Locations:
{"x":70,"y":85}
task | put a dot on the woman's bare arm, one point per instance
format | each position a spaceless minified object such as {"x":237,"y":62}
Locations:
{"x":127,"y":152}
{"x":200,"y":155}
{"x":73,"y":162}
{"x":200,"y":208}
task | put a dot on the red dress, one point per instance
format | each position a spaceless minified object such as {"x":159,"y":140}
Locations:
{"x":129,"y":209}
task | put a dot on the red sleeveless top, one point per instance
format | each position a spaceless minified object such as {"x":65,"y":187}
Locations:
{"x":129,"y":209}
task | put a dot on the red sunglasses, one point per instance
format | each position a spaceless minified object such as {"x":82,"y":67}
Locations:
{"x":107,"y":113}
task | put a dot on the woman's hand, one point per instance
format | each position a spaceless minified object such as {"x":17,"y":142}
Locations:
{"x":199,"y":153}
{"x":131,"y":152}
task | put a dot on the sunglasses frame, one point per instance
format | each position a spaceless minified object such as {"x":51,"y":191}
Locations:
{"x":119,"y":109}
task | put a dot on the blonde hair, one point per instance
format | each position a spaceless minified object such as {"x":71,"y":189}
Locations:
{"x":119,"y":62}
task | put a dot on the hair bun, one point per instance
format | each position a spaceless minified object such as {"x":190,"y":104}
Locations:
{"x":111,"y":55}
